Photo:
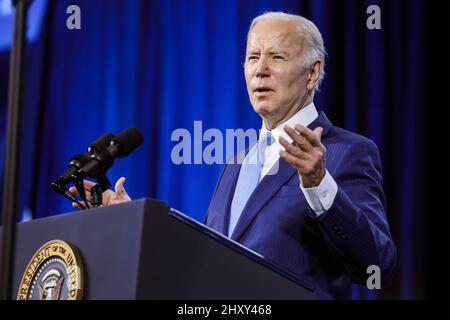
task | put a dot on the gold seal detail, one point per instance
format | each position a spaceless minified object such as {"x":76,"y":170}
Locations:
{"x":54,"y":273}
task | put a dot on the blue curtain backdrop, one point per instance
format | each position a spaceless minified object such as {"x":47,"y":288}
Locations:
{"x":161,"y":65}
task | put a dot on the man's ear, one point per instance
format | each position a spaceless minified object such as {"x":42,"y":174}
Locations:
{"x":314,"y":74}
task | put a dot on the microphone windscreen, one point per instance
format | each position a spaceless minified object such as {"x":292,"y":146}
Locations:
{"x":101,"y":143}
{"x":128,"y":140}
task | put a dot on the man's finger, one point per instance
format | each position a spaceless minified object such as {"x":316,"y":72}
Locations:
{"x":318,"y":131}
{"x":88,"y":184}
{"x":299,"y":140}
{"x":74,"y":190}
{"x":292,"y":160}
{"x":292,"y":149}
{"x":87,"y":191}
{"x":75,"y":205}
{"x":308,"y":134}
{"x":120,"y":189}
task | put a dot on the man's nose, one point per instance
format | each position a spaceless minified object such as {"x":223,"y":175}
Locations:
{"x":263,"y":68}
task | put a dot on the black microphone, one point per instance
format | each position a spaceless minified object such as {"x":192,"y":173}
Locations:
{"x":101,"y":143}
{"x":75,"y":164}
{"x":79,"y":160}
{"x":121,"y":146}
{"x":125,"y":143}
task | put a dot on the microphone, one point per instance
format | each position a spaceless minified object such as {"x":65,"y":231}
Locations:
{"x":100,"y":143}
{"x":79,"y":160}
{"x":94,"y":163}
{"x":125,"y":143}
{"x":75,"y":164}
{"x":103,"y":158}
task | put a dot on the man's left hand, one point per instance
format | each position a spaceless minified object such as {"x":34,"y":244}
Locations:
{"x":306,"y":155}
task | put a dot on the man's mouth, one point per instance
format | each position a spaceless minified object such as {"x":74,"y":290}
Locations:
{"x":262,"y":90}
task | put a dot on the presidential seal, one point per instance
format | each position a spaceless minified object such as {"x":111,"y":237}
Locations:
{"x":54,"y":273}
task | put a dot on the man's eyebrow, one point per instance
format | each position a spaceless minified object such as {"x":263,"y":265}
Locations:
{"x":269,"y":51}
{"x":275,"y":51}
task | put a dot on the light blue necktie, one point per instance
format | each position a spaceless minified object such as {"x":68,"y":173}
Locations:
{"x":248,"y":179}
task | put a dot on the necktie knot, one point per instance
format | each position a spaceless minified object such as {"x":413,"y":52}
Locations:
{"x":265,"y":141}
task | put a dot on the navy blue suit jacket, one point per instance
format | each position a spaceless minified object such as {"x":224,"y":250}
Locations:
{"x":330,"y":251}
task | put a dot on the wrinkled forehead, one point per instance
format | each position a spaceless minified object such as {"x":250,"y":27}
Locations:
{"x":274,"y":36}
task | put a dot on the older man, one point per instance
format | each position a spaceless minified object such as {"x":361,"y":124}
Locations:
{"x":313,"y":202}
{"x":321,"y":212}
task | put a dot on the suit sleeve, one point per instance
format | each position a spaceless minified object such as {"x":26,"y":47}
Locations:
{"x":355,"y":227}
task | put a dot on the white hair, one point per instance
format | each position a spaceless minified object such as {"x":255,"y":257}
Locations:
{"x":314,"y":48}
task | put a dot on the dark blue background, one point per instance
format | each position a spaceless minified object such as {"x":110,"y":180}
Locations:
{"x":161,"y":65}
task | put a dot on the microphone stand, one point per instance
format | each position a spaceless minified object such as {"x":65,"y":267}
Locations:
{"x":12,"y":163}
{"x":96,"y":199}
{"x":61,"y":189}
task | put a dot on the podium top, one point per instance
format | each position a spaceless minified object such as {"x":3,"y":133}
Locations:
{"x":236,"y":246}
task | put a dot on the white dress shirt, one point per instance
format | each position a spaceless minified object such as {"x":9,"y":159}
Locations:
{"x":319,"y":198}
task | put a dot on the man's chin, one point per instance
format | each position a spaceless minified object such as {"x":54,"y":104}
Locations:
{"x":264,"y":109}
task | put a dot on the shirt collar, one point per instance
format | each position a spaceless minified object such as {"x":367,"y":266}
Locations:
{"x":304,"y":116}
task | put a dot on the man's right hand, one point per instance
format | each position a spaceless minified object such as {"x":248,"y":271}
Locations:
{"x":109,"y":197}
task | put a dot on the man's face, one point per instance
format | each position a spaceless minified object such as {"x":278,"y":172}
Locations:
{"x":274,"y":73}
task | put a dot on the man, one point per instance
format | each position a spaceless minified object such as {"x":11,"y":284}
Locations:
{"x":315,"y":204}
{"x":321,"y":215}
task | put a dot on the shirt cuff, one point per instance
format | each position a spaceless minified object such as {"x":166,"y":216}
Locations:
{"x":321,"y":198}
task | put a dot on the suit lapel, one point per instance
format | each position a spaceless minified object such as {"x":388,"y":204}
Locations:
{"x":267,"y":188}
{"x":232,"y":175}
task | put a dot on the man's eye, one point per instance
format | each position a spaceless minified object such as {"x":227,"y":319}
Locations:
{"x":252,"y":58}
{"x":276,"y":57}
